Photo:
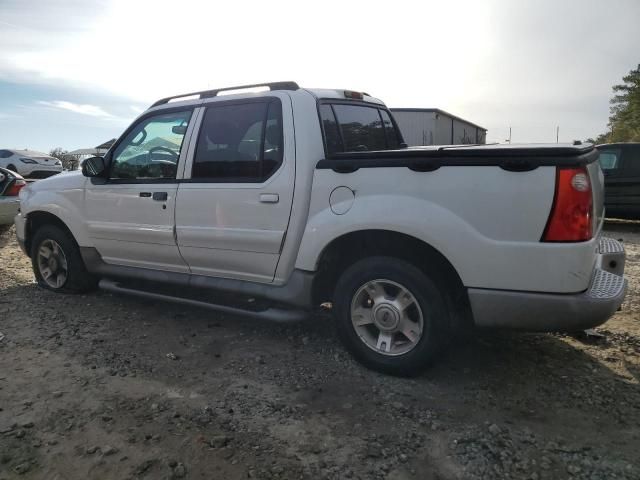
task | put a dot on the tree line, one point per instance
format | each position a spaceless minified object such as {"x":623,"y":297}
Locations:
{"x":69,"y":162}
{"x":624,"y":119}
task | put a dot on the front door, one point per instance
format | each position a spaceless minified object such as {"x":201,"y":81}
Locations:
{"x":234,"y":204}
{"x":130,"y":218}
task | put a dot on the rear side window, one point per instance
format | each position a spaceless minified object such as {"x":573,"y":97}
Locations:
{"x":389,"y":130}
{"x":361,"y":128}
{"x":357,"y":128}
{"x":239,"y":143}
{"x":609,"y":159}
{"x":332,"y":135}
{"x":5,"y":154}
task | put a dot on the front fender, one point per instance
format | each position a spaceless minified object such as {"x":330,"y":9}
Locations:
{"x":66,"y":203}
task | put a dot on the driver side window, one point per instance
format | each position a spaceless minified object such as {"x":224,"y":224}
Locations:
{"x":150,"y":151}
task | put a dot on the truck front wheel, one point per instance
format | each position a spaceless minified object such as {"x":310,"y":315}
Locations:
{"x":57,"y":263}
{"x":391,"y":316}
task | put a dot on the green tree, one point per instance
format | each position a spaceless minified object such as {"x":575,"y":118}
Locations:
{"x":602,"y":138}
{"x":624,"y":119}
{"x":69,"y":162}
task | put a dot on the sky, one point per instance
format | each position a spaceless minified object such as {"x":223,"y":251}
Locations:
{"x":75,"y":73}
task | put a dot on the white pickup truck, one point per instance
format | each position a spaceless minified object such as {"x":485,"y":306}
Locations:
{"x":274,"y":202}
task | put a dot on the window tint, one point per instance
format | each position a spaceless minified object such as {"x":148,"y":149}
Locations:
{"x":361,"y":128}
{"x":331,"y":133}
{"x":152,"y":148}
{"x":239,"y":142}
{"x":5,"y":154}
{"x":357,"y":128}
{"x":609,"y":159}
{"x":392,"y":136}
{"x":273,"y":141}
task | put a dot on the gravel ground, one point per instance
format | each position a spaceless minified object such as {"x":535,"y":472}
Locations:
{"x":102,"y":386}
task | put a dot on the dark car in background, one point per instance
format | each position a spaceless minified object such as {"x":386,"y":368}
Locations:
{"x":620,"y":164}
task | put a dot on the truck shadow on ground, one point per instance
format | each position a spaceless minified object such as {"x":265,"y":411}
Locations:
{"x":623,"y":225}
{"x":6,"y":238}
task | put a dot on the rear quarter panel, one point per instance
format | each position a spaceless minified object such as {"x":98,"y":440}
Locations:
{"x":486,"y":221}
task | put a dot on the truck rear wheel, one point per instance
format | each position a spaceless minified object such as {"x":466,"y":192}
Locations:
{"x":391,"y":316}
{"x":57,"y":263}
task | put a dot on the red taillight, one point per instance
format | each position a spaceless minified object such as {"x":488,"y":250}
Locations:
{"x":14,"y":189}
{"x":571,"y":218}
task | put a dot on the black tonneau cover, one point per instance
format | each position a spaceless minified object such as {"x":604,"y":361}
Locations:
{"x":518,"y":158}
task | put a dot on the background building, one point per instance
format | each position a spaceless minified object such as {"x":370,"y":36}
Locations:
{"x":432,"y":126}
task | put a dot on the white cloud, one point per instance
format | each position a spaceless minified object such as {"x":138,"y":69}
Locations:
{"x":113,"y":54}
{"x":84,"y":109}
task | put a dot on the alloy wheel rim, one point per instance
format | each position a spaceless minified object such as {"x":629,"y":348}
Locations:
{"x":387,"y":317}
{"x":52,"y":263}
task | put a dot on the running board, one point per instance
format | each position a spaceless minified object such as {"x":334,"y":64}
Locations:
{"x":277,"y":315}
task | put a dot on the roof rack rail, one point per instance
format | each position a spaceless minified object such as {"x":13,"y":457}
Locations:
{"x":213,"y":93}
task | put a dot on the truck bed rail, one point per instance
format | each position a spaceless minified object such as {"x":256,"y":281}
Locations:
{"x":517,"y":159}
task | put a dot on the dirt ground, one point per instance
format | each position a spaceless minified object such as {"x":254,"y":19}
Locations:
{"x":102,"y":386}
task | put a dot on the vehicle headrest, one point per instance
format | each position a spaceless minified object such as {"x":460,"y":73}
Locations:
{"x":222,"y":133}
{"x":272,"y":135}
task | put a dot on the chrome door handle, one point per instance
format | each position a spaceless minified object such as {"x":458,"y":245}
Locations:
{"x":269,"y":198}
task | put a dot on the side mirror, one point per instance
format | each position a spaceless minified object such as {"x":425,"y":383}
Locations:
{"x":94,"y":167}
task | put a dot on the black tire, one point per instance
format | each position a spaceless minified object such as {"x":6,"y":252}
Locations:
{"x":78,"y":279}
{"x":12,"y":168}
{"x":432,"y":302}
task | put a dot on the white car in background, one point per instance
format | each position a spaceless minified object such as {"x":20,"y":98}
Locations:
{"x":10,"y":185}
{"x":29,"y":163}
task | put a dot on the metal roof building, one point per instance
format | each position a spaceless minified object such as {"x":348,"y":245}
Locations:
{"x":432,"y":126}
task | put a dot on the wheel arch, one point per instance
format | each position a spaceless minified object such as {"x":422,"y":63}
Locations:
{"x":39,"y":218}
{"x":350,"y":247}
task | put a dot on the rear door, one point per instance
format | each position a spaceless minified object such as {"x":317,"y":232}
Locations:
{"x":233,"y":206}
